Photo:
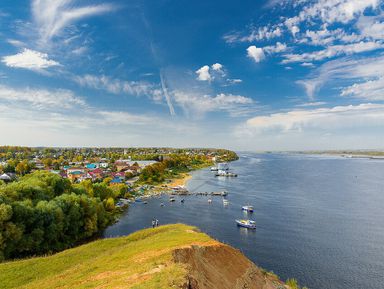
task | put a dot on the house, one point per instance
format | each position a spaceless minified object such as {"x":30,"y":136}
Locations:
{"x":120,"y":175}
{"x":75,"y":169}
{"x":103,"y":165}
{"x":116,"y":181}
{"x":75,"y":175}
{"x":97,"y":173}
{"x":91,"y":166}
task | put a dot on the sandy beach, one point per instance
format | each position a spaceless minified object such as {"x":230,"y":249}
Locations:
{"x":181,"y":181}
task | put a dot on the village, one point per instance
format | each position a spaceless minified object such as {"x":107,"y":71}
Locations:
{"x":135,"y":171}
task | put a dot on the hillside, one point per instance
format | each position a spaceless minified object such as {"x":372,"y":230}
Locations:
{"x":172,"y":256}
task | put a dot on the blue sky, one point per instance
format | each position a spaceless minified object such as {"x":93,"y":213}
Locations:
{"x":252,"y":75}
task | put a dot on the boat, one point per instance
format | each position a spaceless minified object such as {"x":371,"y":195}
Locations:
{"x":162,"y":205}
{"x":182,"y":200}
{"x":246,"y":224}
{"x":209,"y":200}
{"x":223,"y":173}
{"x":172,"y":199}
{"x":214,"y":169}
{"x":247,"y":208}
{"x":223,"y":166}
{"x":145,"y":202}
{"x":225,"y":202}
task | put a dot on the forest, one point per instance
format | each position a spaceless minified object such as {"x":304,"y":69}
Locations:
{"x":43,"y":213}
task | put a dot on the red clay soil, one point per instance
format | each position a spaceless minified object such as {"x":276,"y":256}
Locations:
{"x":222,"y":267}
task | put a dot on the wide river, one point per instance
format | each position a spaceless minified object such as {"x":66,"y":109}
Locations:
{"x":320,"y":219}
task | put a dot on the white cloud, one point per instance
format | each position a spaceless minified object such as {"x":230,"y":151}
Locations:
{"x":277,"y":48}
{"x":29,"y":59}
{"x":51,"y":17}
{"x":234,"y":80}
{"x":209,"y":73}
{"x":371,"y":90}
{"x":255,"y":53}
{"x":333,"y":51}
{"x":256,"y":34}
{"x":371,"y":26}
{"x":310,"y":104}
{"x":116,"y":86}
{"x":199,"y":104}
{"x":351,"y":116}
{"x":15,"y":42}
{"x":365,"y":69}
{"x":41,"y":98}
{"x":203,"y":73}
{"x":217,"y":67}
{"x":331,"y":11}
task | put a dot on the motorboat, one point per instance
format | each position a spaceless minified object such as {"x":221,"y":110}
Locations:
{"x":246,"y":224}
{"x":223,"y":173}
{"x":247,"y":208}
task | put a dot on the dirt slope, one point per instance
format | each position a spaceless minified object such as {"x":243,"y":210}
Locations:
{"x":222,"y":267}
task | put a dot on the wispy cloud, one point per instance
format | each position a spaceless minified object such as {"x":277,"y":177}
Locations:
{"x":349,"y":116}
{"x":41,"y":98}
{"x":197,"y":104}
{"x":365,"y":72}
{"x":333,"y":51}
{"x":52,"y":17}
{"x":116,"y":86}
{"x":166,"y":93}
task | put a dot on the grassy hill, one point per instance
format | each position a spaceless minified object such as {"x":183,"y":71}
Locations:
{"x":172,"y":256}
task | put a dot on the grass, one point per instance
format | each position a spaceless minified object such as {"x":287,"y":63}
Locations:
{"x":140,"y":260}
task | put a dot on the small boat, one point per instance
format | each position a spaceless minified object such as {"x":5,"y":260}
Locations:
{"x":182,"y":200}
{"x":162,"y":205}
{"x":145,"y":202}
{"x":214,"y":169}
{"x":172,"y":199}
{"x":209,"y":200}
{"x":246,"y":224}
{"x":247,"y":208}
{"x":223,"y":173}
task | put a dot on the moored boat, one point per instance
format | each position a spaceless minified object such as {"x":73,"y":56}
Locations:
{"x":247,"y":208}
{"x":246,"y":224}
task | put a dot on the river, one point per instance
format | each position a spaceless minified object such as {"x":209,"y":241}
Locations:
{"x":320,"y":219}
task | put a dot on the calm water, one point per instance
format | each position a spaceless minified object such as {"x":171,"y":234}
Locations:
{"x":319,"y":219}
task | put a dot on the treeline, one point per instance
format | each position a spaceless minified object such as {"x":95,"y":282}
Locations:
{"x":172,"y":165}
{"x":43,"y":213}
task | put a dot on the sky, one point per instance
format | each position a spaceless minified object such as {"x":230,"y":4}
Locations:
{"x":244,"y":75}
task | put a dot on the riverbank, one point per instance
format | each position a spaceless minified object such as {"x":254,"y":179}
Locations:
{"x":171,"y":256}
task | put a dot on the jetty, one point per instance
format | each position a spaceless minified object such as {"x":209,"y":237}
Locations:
{"x":188,"y":193}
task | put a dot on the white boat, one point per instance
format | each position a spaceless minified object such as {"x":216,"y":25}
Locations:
{"x":224,"y":173}
{"x":223,"y":166}
{"x":214,"y":169}
{"x":247,"y":208}
{"x":246,"y":224}
{"x":209,"y":200}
